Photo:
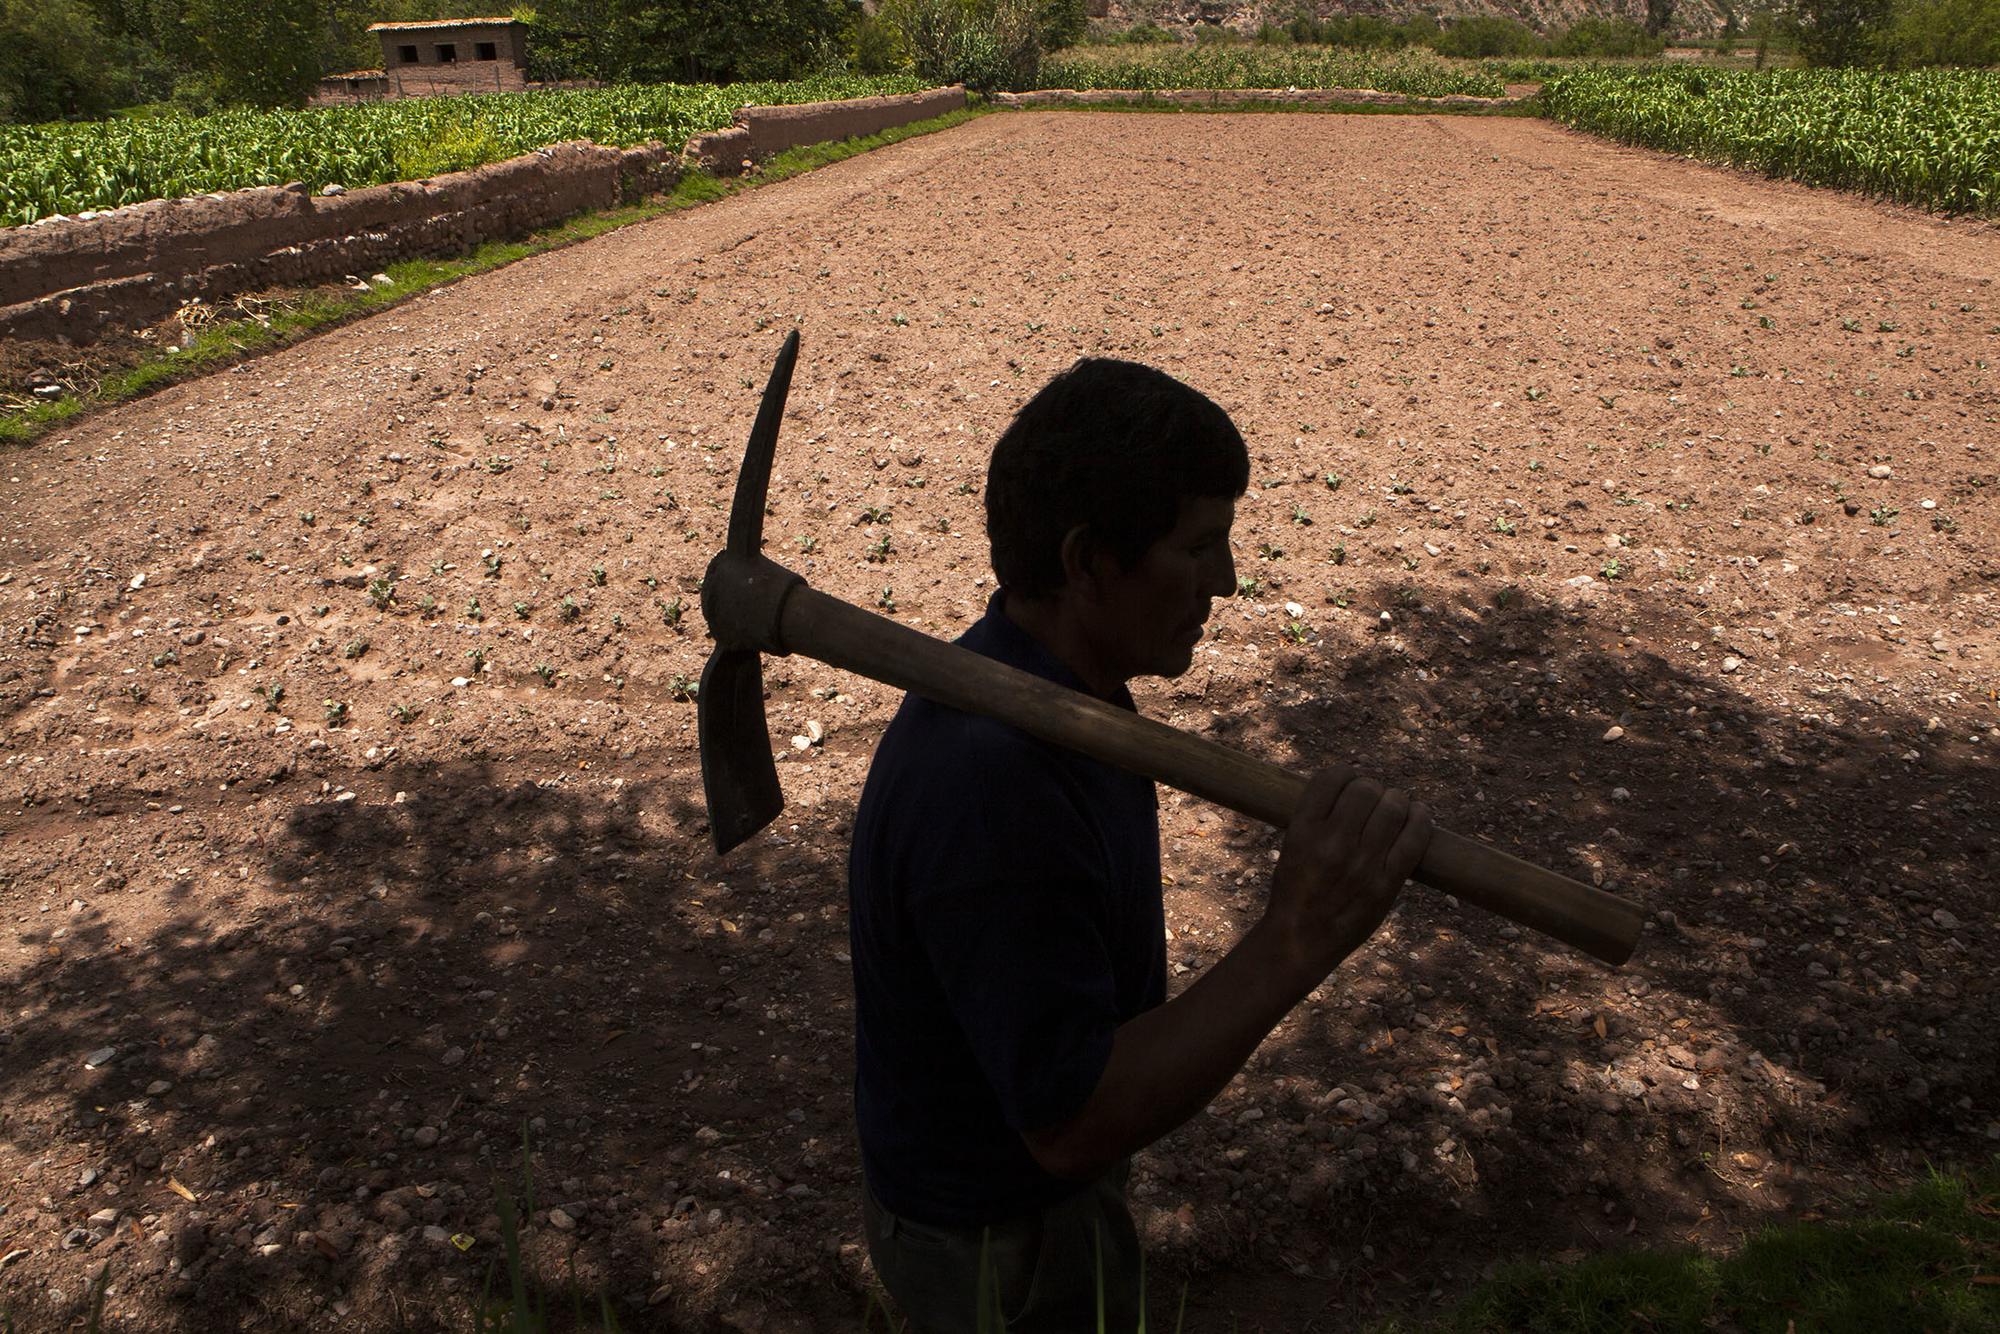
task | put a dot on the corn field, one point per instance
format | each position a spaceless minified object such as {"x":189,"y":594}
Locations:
{"x":1927,"y":137}
{"x":1412,"y":73}
{"x":68,"y":168}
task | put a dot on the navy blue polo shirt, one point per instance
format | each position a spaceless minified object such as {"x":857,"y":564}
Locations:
{"x":1005,"y":919}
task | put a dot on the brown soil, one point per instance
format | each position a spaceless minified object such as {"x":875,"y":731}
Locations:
{"x":343,"y":942}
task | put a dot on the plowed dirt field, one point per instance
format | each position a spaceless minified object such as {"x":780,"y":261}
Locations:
{"x":1642,"y":516}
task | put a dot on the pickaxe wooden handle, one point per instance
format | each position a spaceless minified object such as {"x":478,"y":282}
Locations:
{"x":754,"y":605}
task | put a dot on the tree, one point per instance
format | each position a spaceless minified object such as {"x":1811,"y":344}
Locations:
{"x":1942,"y":32}
{"x":1061,"y":23}
{"x":1659,"y":13}
{"x":662,"y":41}
{"x":264,"y":52}
{"x":983,"y":44}
{"x":1838,"y":32}
{"x":50,"y":61}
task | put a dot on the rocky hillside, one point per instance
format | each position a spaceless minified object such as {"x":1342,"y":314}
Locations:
{"x":1691,"y":17}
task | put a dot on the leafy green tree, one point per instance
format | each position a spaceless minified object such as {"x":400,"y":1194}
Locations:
{"x":876,"y":47}
{"x":661,"y":41}
{"x":263,"y":52}
{"x":984,"y":44}
{"x":51,"y":66}
{"x":1839,"y":32}
{"x":1060,"y":23}
{"x":1486,"y":35}
{"x":1941,"y":32}
{"x":1608,"y":38}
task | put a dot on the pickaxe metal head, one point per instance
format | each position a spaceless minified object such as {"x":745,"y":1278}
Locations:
{"x":740,"y":598}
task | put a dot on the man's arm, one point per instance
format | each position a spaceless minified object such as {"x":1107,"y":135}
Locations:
{"x":1347,"y":852}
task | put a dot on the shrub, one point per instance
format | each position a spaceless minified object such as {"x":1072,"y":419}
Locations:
{"x":1143,"y":33}
{"x":1360,"y":30}
{"x":987,"y":45}
{"x":1610,"y":38}
{"x":1060,"y":23}
{"x":1839,"y":32}
{"x":876,"y":47}
{"x":1941,"y":32}
{"x":1485,"y":35}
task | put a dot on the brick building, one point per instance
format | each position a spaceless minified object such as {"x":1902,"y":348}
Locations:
{"x":454,"y":56}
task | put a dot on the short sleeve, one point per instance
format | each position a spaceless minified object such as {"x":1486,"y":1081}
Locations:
{"x":1008,"y":901}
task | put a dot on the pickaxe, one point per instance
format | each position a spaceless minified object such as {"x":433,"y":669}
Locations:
{"x":755,"y":606}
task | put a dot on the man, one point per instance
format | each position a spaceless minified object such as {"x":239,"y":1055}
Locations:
{"x":1012,"y":1045}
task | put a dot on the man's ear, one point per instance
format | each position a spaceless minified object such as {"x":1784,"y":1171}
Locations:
{"x":1079,"y":560}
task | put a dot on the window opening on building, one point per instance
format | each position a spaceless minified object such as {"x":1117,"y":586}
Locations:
{"x":485,"y":51}
{"x":407,"y":54}
{"x":447,"y":53}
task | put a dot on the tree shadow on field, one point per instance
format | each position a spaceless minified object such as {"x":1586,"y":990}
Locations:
{"x":346,"y":1013}
{"x":304,"y":1085}
{"x":1805,"y":1011}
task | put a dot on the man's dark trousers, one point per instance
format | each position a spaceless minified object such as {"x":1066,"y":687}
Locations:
{"x":1043,"y":1267}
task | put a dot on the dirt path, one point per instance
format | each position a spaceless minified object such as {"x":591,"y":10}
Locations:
{"x":1640,"y":514}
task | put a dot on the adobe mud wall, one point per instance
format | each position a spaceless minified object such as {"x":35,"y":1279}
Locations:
{"x":70,"y":279}
{"x":1224,"y":97}
{"x":762,"y":131}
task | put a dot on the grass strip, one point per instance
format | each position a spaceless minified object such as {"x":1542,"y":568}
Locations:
{"x":224,"y":343}
{"x":1926,"y":1258}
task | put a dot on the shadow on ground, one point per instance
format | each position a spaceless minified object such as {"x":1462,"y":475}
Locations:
{"x":306,"y":1081}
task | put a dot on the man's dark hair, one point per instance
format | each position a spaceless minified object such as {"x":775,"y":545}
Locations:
{"x":1112,"y":446}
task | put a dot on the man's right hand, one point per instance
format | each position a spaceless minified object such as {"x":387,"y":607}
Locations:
{"x":1347,"y":852}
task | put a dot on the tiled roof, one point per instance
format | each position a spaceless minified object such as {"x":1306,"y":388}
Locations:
{"x":442,"y":23}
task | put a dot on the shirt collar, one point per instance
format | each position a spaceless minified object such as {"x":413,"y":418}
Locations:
{"x":998,"y":637}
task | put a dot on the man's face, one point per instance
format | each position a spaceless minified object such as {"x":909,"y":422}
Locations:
{"x":1147,"y":620}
